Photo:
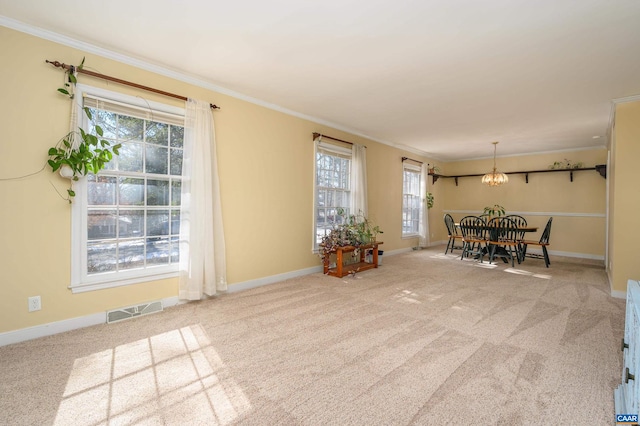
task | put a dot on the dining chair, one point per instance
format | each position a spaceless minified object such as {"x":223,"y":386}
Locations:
{"x":522,"y":223}
{"x":453,"y":234}
{"x":474,"y":237}
{"x":519,"y":220}
{"x":543,"y":243}
{"x":505,"y":239}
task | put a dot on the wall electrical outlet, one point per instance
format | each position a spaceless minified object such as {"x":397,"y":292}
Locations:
{"x":35,"y":304}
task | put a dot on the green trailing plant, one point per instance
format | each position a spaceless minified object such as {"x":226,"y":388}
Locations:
{"x":494,"y":211}
{"x":429,"y":198}
{"x":80,"y":152}
{"x":352,"y":230}
{"x":434,"y":170}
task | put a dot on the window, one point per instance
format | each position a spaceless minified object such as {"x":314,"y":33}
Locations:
{"x":333,"y":187}
{"x":411,"y":200}
{"x":126,"y":219}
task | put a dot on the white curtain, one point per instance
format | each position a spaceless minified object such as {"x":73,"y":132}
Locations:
{"x":423,"y":226}
{"x":359,"y":180}
{"x":202,"y":249}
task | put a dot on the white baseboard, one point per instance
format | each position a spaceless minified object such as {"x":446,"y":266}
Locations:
{"x":398,"y":251}
{"x":259,"y":282}
{"x":573,"y":254}
{"x":246,"y":285}
{"x":618,"y":294}
{"x":56,"y":327}
{"x":51,"y":328}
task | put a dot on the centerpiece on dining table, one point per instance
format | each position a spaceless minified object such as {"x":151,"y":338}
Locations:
{"x":494,"y":211}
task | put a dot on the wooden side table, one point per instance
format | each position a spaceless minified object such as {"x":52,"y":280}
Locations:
{"x":341,"y":269}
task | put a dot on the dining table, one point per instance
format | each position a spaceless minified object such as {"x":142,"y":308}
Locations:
{"x":494,"y":237}
{"x":520,"y":228}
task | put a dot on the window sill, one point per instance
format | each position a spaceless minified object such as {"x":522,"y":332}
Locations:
{"x":102,"y":285}
{"x":409,"y":236}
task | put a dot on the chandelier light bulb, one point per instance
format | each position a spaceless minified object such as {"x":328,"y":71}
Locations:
{"x":495,"y":178}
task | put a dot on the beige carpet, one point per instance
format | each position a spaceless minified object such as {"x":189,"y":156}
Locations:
{"x":425,"y":339}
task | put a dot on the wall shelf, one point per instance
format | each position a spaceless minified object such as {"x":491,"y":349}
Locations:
{"x":600,"y":168}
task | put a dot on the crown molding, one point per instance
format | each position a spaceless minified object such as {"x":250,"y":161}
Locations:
{"x":633,"y":98}
{"x":587,"y":148}
{"x":180,"y":76}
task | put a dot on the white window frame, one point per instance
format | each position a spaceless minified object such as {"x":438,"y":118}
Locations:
{"x":81,"y":281}
{"x":340,"y":152}
{"x":413,"y":194}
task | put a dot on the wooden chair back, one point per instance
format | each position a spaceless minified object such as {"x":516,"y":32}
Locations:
{"x":546,"y":234}
{"x":450,"y":224}
{"x":473,"y":228}
{"x":519,"y":220}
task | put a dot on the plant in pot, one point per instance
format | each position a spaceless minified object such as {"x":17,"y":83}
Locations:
{"x":353,"y":230}
{"x":429,"y":199}
{"x":80,"y":152}
{"x":434,"y":170}
{"x":566,"y":164}
{"x":494,"y":211}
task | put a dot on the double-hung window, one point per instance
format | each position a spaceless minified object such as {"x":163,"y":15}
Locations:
{"x":332,"y":187}
{"x":411,"y":200}
{"x":126,"y":219}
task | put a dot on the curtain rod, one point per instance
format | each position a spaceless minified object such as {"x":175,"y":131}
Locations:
{"x":316,"y":135}
{"x":407,"y":158}
{"x":117,"y":80}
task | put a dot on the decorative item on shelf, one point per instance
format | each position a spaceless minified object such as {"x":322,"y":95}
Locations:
{"x":80,"y":152}
{"x":429,"y":198}
{"x":495,"y":178}
{"x":566,"y":164}
{"x":494,"y":211}
{"x":434,"y":170}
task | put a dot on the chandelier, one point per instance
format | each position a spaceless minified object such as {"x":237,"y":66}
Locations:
{"x":495,"y":178}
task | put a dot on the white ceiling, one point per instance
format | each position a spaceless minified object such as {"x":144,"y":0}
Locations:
{"x":445,"y":78}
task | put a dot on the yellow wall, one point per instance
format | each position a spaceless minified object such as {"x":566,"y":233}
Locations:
{"x":265,"y":166}
{"x":266,"y":172}
{"x":624,"y":199}
{"x":578,"y":208}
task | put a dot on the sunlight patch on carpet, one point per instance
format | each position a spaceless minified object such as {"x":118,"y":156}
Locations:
{"x":527,"y":273}
{"x":486,"y":265}
{"x":407,"y":296}
{"x":177,"y":374}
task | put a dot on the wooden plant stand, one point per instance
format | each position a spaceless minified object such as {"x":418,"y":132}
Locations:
{"x":341,"y":270}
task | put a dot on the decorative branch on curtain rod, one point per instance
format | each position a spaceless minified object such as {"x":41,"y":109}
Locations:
{"x":320,"y":135}
{"x":72,"y":68}
{"x":411,"y":159}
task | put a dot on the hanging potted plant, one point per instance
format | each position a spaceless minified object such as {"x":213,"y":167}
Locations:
{"x":429,"y":198}
{"x":80,"y":152}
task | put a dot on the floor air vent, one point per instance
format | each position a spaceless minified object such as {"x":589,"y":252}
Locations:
{"x":133,"y":311}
